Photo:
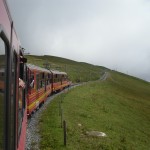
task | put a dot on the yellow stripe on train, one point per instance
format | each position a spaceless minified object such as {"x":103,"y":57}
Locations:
{"x":36,"y":102}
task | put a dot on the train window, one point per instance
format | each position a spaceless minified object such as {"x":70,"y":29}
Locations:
{"x":37,"y":81}
{"x":31,"y":81}
{"x":59,"y":78}
{"x":41,"y":84}
{"x":25,"y":90}
{"x":21,"y":101}
{"x":43,"y":75}
{"x":49,"y":76}
{"x":47,"y":82}
{"x":2,"y":90}
{"x":41,"y":81}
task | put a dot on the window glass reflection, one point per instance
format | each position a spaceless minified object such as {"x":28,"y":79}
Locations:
{"x":2,"y":90}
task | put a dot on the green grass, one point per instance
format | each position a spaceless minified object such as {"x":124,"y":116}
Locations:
{"x":77,"y":71}
{"x":119,"y":107}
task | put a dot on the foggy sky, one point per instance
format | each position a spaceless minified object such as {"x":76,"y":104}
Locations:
{"x":110,"y":33}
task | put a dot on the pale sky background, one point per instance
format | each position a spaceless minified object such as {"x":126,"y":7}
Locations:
{"x":110,"y":33}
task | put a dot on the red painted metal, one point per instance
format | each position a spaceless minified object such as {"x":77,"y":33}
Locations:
{"x":21,"y":145}
{"x":38,"y":94}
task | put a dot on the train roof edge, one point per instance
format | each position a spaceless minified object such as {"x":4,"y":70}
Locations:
{"x":34,"y":67}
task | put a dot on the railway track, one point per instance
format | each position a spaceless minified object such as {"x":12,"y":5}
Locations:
{"x":33,"y":137}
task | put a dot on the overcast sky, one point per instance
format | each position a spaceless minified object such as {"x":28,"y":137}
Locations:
{"x":110,"y":33}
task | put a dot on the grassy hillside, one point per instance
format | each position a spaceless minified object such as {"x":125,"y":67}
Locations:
{"x":77,"y":71}
{"x":118,"y":106}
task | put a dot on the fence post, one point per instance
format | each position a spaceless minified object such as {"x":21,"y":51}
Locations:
{"x":59,"y":105}
{"x":65,"y":137}
{"x":61,"y":117}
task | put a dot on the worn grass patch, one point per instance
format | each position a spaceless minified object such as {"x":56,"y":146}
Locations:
{"x":119,"y":107}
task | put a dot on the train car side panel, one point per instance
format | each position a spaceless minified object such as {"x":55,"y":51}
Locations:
{"x":38,"y":92}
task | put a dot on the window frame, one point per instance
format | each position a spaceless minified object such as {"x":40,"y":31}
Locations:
{"x":14,"y":63}
{"x":7,"y":93}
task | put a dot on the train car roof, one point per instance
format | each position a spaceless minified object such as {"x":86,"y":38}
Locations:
{"x":34,"y":67}
{"x":64,"y":73}
{"x":58,"y":72}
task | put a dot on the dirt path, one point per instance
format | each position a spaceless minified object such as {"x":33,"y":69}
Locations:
{"x":105,"y":76}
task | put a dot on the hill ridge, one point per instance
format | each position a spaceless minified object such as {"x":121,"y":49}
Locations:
{"x":77,"y":71}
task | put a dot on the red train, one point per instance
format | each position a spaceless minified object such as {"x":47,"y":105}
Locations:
{"x":16,"y":102}
{"x":41,"y":83}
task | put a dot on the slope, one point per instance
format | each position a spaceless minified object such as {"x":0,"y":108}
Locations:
{"x":118,"y":106}
{"x":77,"y":71}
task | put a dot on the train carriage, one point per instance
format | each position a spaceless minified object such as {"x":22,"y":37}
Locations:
{"x":65,"y":81}
{"x":13,"y":117}
{"x":59,"y":80}
{"x":56,"y":81}
{"x":39,"y":87}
